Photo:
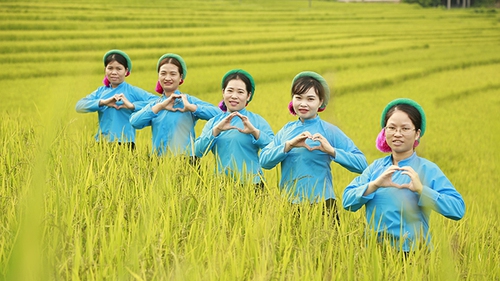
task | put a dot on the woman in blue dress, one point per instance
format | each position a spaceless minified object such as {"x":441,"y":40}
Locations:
{"x":237,"y":135}
{"x":306,"y":147}
{"x":173,"y":116}
{"x":399,"y":191}
{"x":115,"y":101}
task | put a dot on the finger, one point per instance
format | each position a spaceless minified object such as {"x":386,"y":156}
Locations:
{"x":405,"y":185}
{"x":307,"y":134}
{"x":408,"y":169}
{"x":317,"y":136}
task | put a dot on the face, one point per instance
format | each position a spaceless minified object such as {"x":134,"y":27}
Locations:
{"x":235,"y":95}
{"x":115,"y":73}
{"x":169,"y":77}
{"x":400,"y":133}
{"x":306,"y":105}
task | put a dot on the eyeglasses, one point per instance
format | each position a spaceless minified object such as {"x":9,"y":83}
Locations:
{"x":404,"y":131}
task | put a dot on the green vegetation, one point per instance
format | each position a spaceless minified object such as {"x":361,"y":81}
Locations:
{"x":74,"y":209}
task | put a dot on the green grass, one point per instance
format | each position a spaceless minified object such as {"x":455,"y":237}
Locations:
{"x":73,"y":209}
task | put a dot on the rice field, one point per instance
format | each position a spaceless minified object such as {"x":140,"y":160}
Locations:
{"x":73,"y":209}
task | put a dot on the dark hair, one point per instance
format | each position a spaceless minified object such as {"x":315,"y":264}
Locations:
{"x":116,"y":57}
{"x":173,"y":61}
{"x":412,"y":112}
{"x":240,"y":76}
{"x":303,"y":84}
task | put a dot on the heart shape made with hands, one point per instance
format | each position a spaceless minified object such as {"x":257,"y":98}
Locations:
{"x":236,"y":127}
{"x":312,"y":143}
{"x":178,"y":105}
{"x":400,"y":179}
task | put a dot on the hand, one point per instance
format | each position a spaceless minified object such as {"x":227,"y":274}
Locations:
{"x":385,"y":180}
{"x":248,"y":127}
{"x":298,"y":141}
{"x":415,"y":184}
{"x":168,"y":103}
{"x":118,"y":102}
{"x":324,"y":144}
{"x":187,"y":105}
{"x":224,"y":125}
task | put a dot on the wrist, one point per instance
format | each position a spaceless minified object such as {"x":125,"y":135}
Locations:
{"x":288,"y":146}
{"x":215,"y":131}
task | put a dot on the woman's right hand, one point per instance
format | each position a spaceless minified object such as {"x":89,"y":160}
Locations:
{"x":117,"y":101}
{"x":224,"y":125}
{"x":298,"y":141}
{"x":167,"y":104}
{"x":384,"y":180}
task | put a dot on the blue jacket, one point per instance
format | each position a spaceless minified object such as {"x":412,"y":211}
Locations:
{"x":307,"y":175}
{"x":114,"y":124}
{"x":236,"y":151}
{"x":402,"y":214}
{"x":173,"y":130}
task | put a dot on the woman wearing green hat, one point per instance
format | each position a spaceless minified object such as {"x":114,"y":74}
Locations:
{"x":115,"y":101}
{"x":306,"y":147}
{"x":236,"y":135}
{"x":400,"y":190}
{"x":173,"y":116}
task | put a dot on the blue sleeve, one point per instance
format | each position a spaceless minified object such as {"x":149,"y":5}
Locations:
{"x":352,"y":198}
{"x":143,"y":98}
{"x":89,"y":103}
{"x":273,"y":153}
{"x":266,"y":133}
{"x":347,"y":154}
{"x":206,"y":140}
{"x":204,"y":110}
{"x":439,"y":195}
{"x":143,"y":117}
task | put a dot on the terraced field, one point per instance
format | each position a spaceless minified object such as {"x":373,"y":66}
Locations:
{"x":72,"y":209}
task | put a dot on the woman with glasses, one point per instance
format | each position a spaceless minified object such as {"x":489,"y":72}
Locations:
{"x":400,"y":190}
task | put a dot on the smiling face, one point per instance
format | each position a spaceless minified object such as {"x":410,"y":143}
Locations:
{"x":306,"y":105}
{"x":400,"y":133}
{"x":115,"y":72}
{"x":235,"y":95}
{"x":169,"y":77}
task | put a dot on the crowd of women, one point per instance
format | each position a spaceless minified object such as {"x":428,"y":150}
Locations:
{"x":398,"y":190}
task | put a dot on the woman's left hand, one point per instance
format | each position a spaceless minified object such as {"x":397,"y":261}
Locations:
{"x":248,"y":127}
{"x":187,"y":105}
{"x":415,"y":183}
{"x":122,"y":102}
{"x":324,"y":144}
